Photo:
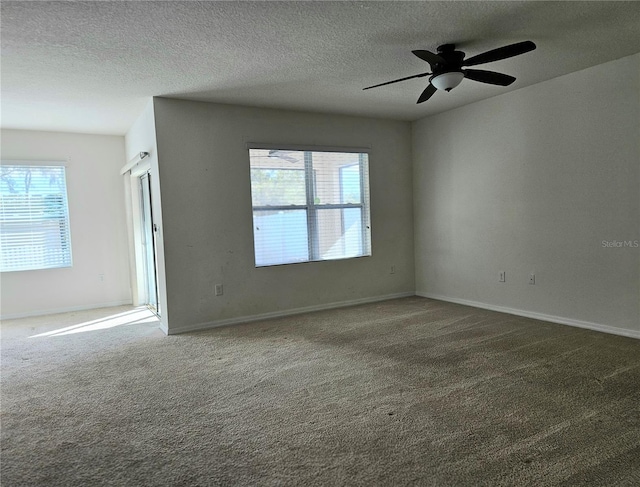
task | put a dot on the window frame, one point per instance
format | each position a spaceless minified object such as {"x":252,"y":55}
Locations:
{"x":65,"y":238}
{"x":310,"y":206}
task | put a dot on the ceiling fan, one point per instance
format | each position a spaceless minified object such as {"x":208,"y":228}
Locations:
{"x":447,"y":67}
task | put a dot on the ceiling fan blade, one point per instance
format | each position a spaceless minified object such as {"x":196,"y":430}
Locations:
{"x":427,"y":93}
{"x":422,"y":75}
{"x":429,"y":57}
{"x":490,"y":77}
{"x":500,"y":53}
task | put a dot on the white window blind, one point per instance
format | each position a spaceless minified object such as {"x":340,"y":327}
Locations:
{"x":309,"y":205}
{"x":34,"y":218}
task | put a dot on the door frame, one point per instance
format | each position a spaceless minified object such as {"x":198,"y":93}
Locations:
{"x":138,"y":277}
{"x":148,"y":229}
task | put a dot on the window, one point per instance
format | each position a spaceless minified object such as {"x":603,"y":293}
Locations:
{"x":34,"y":218}
{"x":309,"y":205}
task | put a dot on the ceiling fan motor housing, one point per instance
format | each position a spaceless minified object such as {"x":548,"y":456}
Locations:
{"x":453,"y":59}
{"x":448,"y":75}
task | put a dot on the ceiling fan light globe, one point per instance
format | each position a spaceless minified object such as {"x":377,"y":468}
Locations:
{"x":447,"y":81}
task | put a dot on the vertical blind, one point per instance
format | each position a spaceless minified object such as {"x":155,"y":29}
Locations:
{"x":309,"y":205}
{"x":34,"y":218}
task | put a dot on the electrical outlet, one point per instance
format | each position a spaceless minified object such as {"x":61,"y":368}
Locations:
{"x":503,"y":276}
{"x":219,"y":289}
{"x":101,"y":277}
{"x":532,"y":278}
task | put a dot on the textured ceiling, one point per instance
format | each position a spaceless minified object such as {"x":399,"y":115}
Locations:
{"x":91,"y":66}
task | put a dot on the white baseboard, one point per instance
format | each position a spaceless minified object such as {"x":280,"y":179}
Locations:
{"x":538,"y":316}
{"x":279,"y":314}
{"x":65,"y":310}
{"x":164,"y":328}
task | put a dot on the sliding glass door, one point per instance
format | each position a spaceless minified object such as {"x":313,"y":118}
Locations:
{"x":149,"y":243}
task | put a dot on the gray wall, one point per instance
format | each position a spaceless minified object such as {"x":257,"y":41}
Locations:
{"x":535,"y":180}
{"x":207,"y":217}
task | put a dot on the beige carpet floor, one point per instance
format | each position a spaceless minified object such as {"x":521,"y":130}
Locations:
{"x":405,"y":392}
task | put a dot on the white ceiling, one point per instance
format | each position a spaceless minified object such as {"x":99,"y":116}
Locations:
{"x":91,"y":66}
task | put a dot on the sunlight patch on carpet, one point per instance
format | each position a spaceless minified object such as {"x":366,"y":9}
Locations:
{"x":134,"y":317}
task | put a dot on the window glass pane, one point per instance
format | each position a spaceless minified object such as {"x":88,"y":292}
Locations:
{"x":280,"y":237}
{"x":340,"y":233}
{"x":330,"y":190}
{"x":337,"y":177}
{"x":34,"y":218}
{"x":350,"y":184}
{"x":277,"y":178}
